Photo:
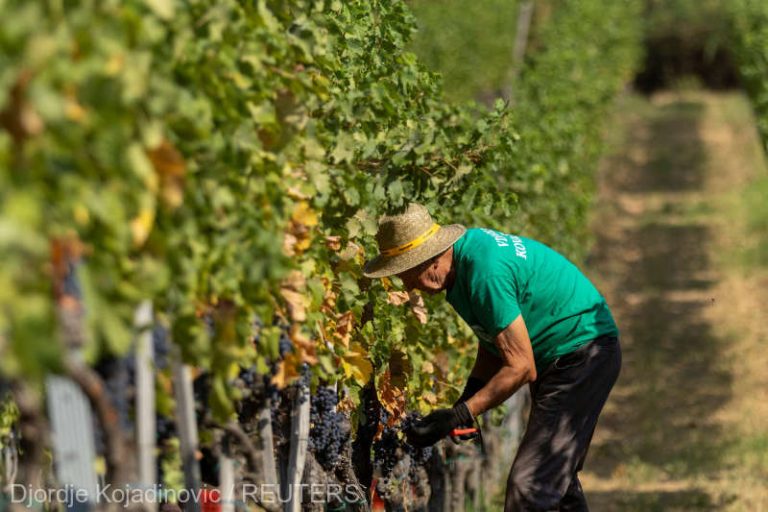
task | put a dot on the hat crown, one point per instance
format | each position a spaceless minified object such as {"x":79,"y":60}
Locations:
{"x":397,"y":230}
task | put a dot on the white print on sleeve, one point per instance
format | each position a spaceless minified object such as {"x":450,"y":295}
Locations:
{"x":520,"y":250}
{"x":503,"y":240}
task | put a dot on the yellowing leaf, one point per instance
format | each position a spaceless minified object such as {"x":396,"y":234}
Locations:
{"x":418,"y":307}
{"x":429,"y":397}
{"x":289,"y":244}
{"x":167,"y":160}
{"x":292,"y":290}
{"x":19,"y":118}
{"x":352,"y":251}
{"x":398,"y":298}
{"x":329,"y":299}
{"x":298,"y":236}
{"x":333,"y":243}
{"x":302,"y":245}
{"x":346,"y":404}
{"x":344,"y":327}
{"x":303,"y":214}
{"x":81,"y":214}
{"x":115,"y":64}
{"x":297,"y":304}
{"x":170,"y":166}
{"x":141,"y":226}
{"x":295,"y":193}
{"x":304,"y":346}
{"x":356,"y":366}
{"x":392,"y":397}
{"x":74,"y":110}
{"x":287,"y":370}
{"x":162,"y":8}
{"x":427,"y":367}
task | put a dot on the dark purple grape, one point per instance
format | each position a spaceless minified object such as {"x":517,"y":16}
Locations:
{"x":118,"y":375}
{"x":71,"y":284}
{"x":285,"y":345}
{"x":160,"y":346}
{"x":391,"y":447}
{"x":329,"y":429}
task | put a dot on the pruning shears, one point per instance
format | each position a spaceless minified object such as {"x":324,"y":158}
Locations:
{"x":465,"y":433}
{"x":459,"y":435}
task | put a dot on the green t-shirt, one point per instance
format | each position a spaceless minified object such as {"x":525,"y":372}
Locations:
{"x":500,"y":276}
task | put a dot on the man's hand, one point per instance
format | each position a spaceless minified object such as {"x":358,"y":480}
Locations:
{"x":473,"y":386}
{"x":438,"y":425}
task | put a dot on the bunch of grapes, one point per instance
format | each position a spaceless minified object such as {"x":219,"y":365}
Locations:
{"x":329,"y":430}
{"x":201,"y":390}
{"x":391,"y":447}
{"x":71,"y":285}
{"x":387,"y":449}
{"x":165,"y":428}
{"x":259,"y":387}
{"x":285,"y":345}
{"x":419,"y":456}
{"x":249,"y":376}
{"x":119,"y":376}
{"x":161,"y":347}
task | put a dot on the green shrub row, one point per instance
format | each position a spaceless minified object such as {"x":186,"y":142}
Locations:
{"x":469,"y":44}
{"x":228,"y":161}
{"x":749,"y":44}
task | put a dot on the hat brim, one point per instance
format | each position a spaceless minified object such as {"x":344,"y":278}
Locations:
{"x":385,"y":266}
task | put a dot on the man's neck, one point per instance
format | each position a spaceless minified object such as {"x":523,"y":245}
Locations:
{"x":451,"y":277}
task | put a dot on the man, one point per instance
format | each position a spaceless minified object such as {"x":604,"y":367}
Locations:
{"x":539,"y":321}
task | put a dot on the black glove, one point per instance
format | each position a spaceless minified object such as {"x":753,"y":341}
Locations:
{"x":472,"y":386}
{"x":438,"y":425}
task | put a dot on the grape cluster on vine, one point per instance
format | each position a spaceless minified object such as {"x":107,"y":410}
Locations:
{"x":329,"y":429}
{"x":392,"y":447}
{"x":387,"y":449}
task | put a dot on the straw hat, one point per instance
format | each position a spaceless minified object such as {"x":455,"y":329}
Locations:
{"x":408,"y":239}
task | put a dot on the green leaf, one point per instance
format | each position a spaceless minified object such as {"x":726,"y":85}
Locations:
{"x":164,"y":9}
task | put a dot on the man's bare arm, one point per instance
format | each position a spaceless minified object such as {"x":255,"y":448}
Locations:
{"x":486,"y":364}
{"x":517,"y":368}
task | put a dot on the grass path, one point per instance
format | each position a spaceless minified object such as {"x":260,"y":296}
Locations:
{"x":681,"y":255}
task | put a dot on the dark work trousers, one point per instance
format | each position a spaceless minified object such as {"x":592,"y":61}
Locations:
{"x":566,"y":400}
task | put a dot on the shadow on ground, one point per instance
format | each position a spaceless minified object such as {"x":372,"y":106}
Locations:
{"x":673,"y":156}
{"x":655,"y":501}
{"x":657,"y":276}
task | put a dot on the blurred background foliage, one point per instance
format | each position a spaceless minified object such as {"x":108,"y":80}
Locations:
{"x":469,"y":43}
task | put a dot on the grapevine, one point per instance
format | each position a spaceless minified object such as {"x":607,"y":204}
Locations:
{"x":227,"y":162}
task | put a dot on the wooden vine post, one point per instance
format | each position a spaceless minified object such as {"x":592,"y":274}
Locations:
{"x":69,"y":408}
{"x":186,"y":423}
{"x":299,"y":444}
{"x":266,"y":438}
{"x":145,"y":400}
{"x":72,"y":435}
{"x":524,"y":18}
{"x":226,"y":482}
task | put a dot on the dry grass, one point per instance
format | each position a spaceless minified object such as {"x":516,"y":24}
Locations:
{"x":685,"y":428}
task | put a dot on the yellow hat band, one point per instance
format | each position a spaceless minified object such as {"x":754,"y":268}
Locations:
{"x":400,"y":249}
